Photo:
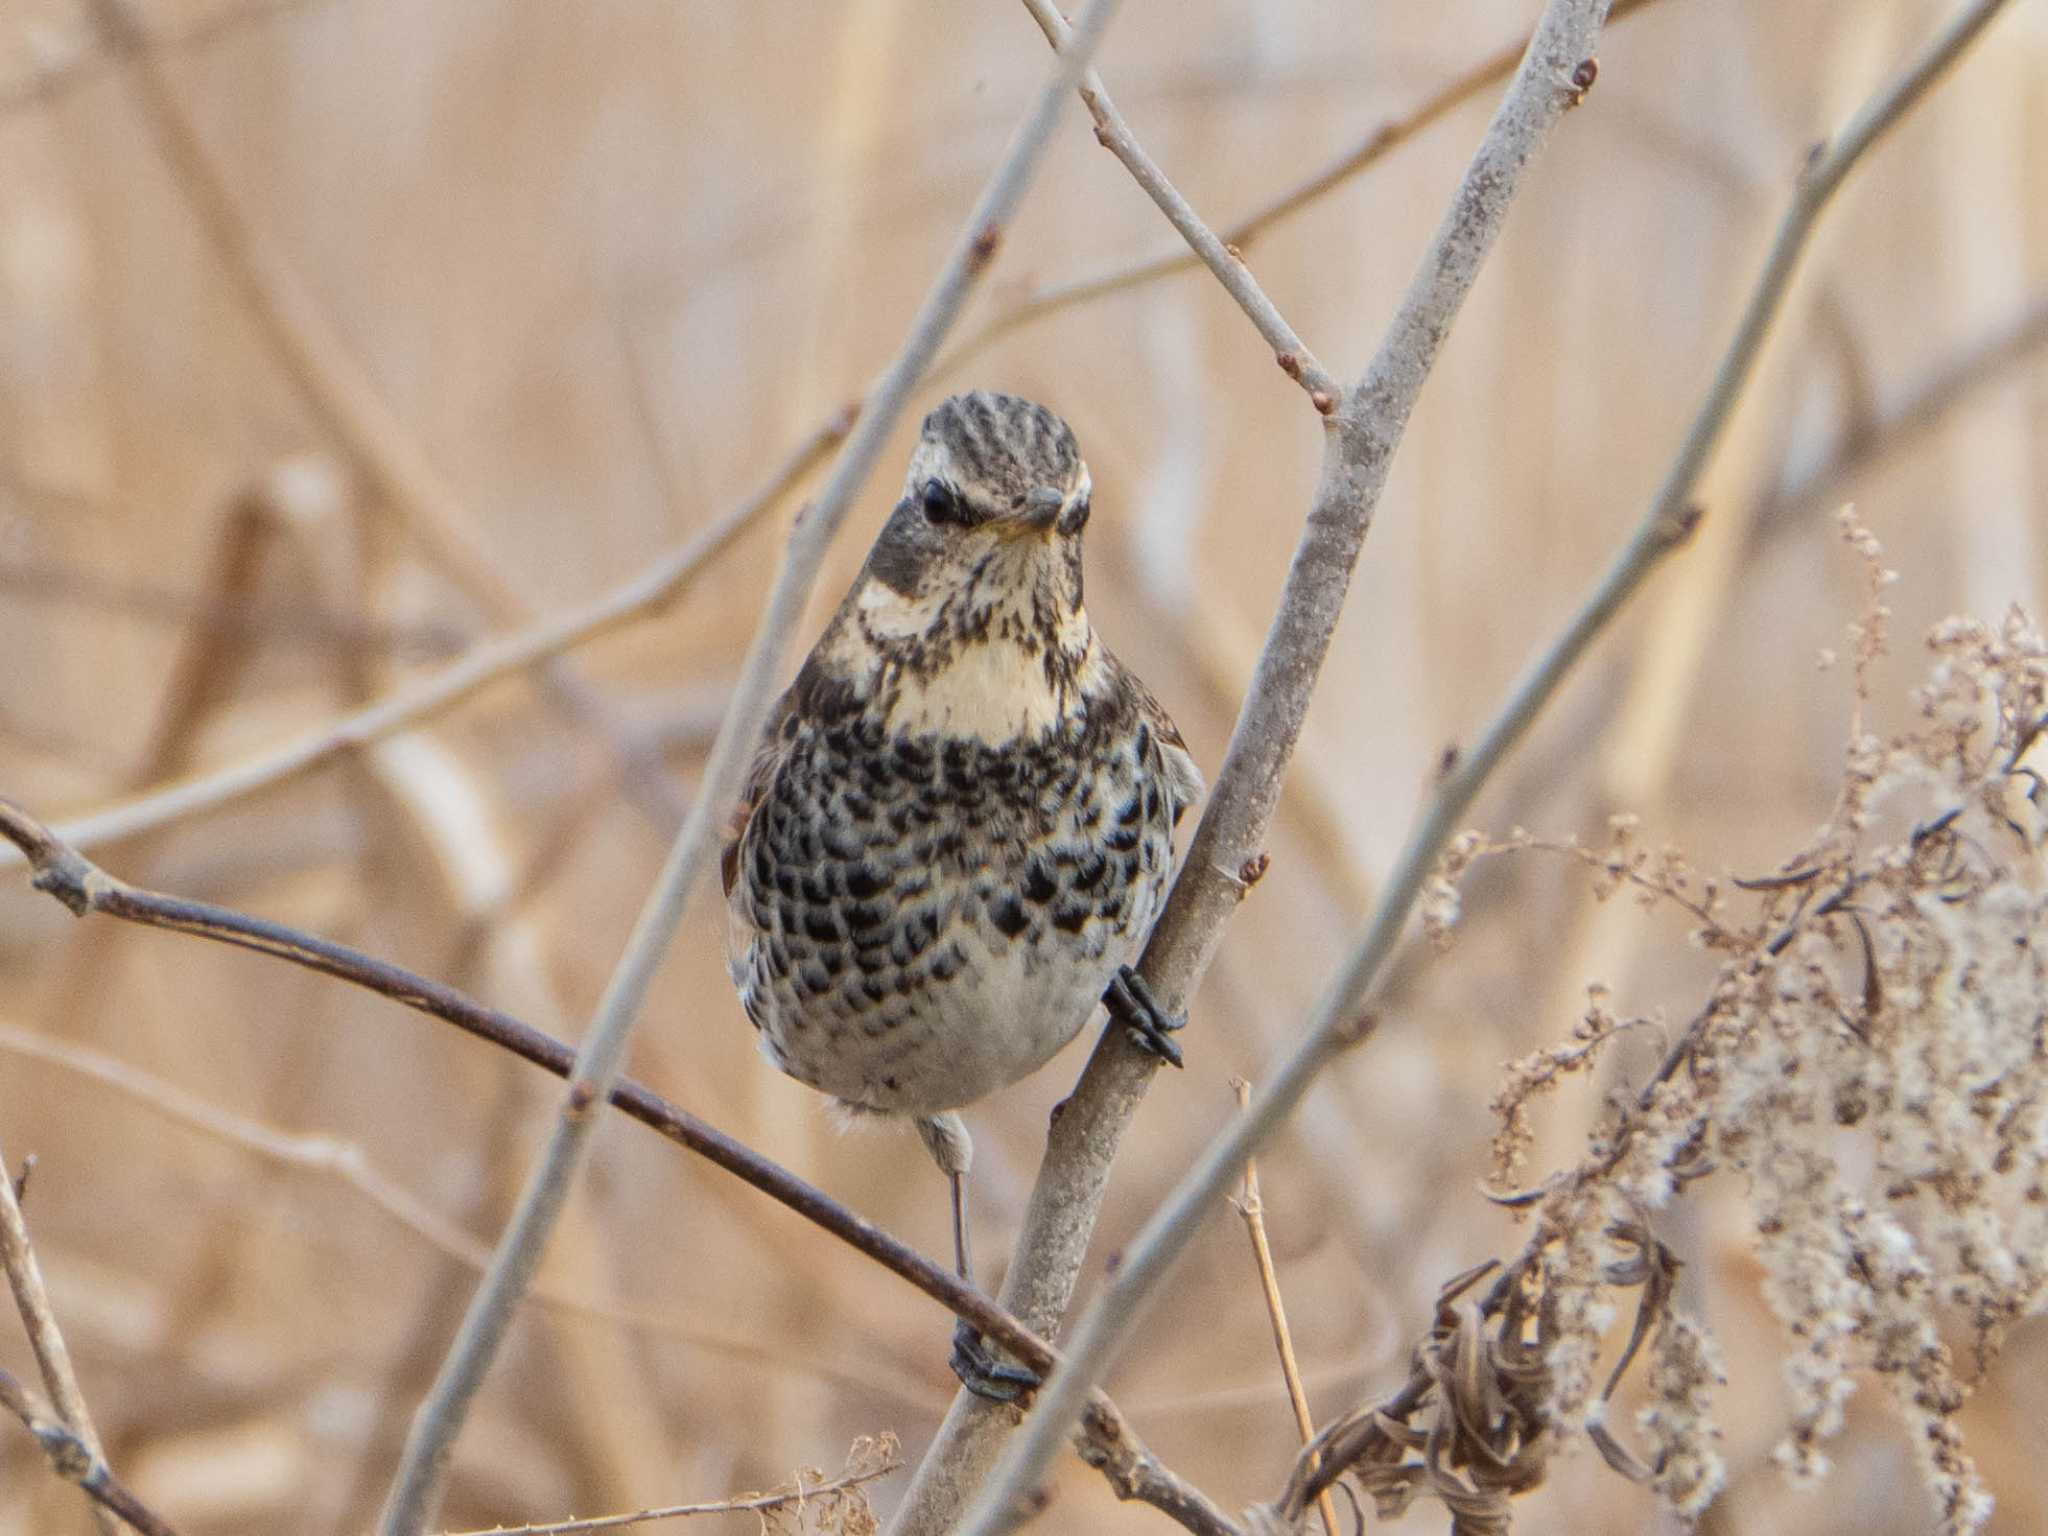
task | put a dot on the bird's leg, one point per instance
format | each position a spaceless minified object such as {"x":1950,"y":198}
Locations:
{"x":973,"y":1362}
{"x":1132,"y":1003}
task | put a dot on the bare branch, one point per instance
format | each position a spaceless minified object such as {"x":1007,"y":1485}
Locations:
{"x":883,"y":1463}
{"x":639,"y":597}
{"x":1358,"y":452}
{"x":1663,"y":528}
{"x":299,"y":626}
{"x":52,"y":80}
{"x":1106,"y":1443}
{"x":72,"y":1459}
{"x":1253,"y":1209}
{"x":1368,"y":151}
{"x":53,"y":1359}
{"x":1296,"y":361}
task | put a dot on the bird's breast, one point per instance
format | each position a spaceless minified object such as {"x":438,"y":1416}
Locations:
{"x":992,"y":692}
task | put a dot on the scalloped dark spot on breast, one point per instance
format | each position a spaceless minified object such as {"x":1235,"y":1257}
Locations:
{"x":1008,"y":914}
{"x":864,"y":916}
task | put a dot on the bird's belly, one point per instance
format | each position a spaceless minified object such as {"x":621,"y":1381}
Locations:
{"x":1008,"y":1009}
{"x":925,"y":925}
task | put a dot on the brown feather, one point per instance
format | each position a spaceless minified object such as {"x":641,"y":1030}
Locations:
{"x":767,"y":757}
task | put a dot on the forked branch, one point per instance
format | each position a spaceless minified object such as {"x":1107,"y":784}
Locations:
{"x":72,"y":1459}
{"x":1334,"y":1024}
{"x":1363,"y":432}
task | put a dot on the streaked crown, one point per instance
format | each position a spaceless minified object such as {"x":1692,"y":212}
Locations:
{"x":998,"y":456}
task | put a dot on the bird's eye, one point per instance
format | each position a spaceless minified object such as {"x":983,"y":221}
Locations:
{"x":942,"y":503}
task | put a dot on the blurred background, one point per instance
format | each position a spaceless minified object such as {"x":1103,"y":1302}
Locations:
{"x":337,"y":335}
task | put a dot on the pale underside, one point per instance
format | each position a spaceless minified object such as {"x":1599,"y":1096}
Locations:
{"x":917,"y":926}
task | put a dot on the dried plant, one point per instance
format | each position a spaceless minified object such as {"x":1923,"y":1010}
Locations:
{"x":840,"y":1509}
{"x":1869,"y":1062}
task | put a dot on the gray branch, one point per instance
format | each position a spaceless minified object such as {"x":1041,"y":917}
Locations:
{"x":1224,"y":261}
{"x":1363,"y":432}
{"x":416,"y":1490}
{"x":46,"y":1340}
{"x":1337,"y":1019}
{"x":75,"y":1460}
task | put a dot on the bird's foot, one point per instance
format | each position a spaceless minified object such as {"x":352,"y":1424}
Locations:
{"x":1131,"y":1002}
{"x":981,"y":1373}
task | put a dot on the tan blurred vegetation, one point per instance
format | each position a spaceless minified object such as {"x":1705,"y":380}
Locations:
{"x":606,"y":265}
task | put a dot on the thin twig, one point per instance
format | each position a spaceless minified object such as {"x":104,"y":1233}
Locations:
{"x":72,"y":1459}
{"x":1335,"y":1022}
{"x":1135,"y":1475}
{"x":639,"y":597}
{"x":1253,"y":1209}
{"x":1225,"y":261}
{"x":1358,"y":452}
{"x":211,"y":660}
{"x":750,"y":1504}
{"x":46,"y":1340}
{"x":1381,"y":141}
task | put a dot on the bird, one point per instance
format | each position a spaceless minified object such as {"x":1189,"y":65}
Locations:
{"x":958,"y":829}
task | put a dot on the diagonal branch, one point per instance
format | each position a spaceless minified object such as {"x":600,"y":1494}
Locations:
{"x":1336,"y":1020}
{"x":330,"y":380}
{"x":76,"y":1461}
{"x":1359,"y":446}
{"x":875,"y":1461}
{"x":1381,"y":141}
{"x":1894,"y":426}
{"x":1225,"y":261}
{"x":46,"y":1341}
{"x":347,"y":1163}
{"x":1251,"y":1205}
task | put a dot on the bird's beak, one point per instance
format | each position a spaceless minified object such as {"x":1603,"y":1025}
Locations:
{"x":1042,"y":508}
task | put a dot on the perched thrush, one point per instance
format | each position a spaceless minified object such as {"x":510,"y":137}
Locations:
{"x":960,"y":825}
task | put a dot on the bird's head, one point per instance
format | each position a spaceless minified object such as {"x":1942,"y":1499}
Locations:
{"x":986,"y":542}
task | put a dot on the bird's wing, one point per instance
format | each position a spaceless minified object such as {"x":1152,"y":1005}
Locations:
{"x":767,"y":759}
{"x":1184,"y":780}
{"x":1183,"y":775}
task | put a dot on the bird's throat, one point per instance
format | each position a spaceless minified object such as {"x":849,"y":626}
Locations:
{"x":994,"y":691}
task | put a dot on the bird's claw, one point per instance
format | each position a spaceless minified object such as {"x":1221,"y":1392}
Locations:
{"x":1132,"y":1003}
{"x":981,"y":1373}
